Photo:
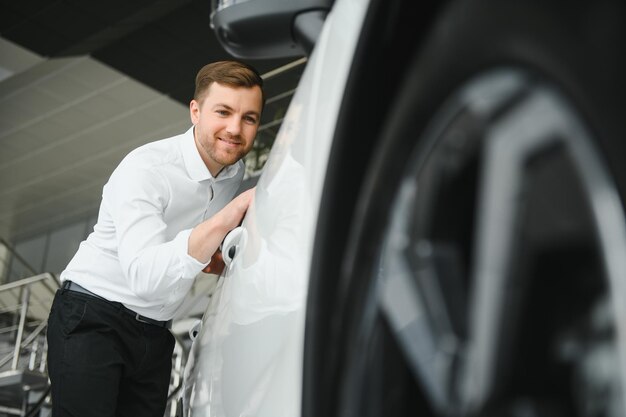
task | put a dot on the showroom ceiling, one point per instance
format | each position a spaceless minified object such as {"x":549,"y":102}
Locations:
{"x":82,"y":83}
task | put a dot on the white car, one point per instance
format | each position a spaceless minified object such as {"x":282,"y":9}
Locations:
{"x":440,"y":228}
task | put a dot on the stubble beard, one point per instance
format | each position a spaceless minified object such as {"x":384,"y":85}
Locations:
{"x":223,"y":156}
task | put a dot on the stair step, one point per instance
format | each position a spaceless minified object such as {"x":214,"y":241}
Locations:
{"x":14,"y":382}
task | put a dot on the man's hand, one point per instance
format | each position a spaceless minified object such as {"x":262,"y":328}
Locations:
{"x":216,"y":265}
{"x":206,"y":237}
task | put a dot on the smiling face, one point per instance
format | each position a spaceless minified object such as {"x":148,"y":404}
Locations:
{"x":226,"y":120}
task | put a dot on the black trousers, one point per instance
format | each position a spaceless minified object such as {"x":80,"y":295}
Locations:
{"x":103,"y":362}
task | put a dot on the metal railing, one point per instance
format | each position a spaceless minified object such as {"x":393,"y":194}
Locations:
{"x":24,"y":308}
{"x":14,"y":256}
{"x":25,"y":304}
{"x":179,"y":358}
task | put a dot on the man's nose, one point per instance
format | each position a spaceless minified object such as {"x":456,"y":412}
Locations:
{"x":234,"y":126}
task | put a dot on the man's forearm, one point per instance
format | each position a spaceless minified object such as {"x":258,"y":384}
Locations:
{"x":206,"y":238}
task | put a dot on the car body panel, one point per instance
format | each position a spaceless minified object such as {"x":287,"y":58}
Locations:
{"x":247,"y":356}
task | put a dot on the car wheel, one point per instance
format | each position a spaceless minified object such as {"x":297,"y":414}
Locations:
{"x":485,"y":272}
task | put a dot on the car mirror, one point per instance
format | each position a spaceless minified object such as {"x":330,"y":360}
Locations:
{"x":266,"y":29}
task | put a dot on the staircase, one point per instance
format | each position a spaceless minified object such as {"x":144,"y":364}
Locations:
{"x":24,"y":308}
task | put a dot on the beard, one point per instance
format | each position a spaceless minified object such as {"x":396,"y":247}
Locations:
{"x":226,"y":158}
{"x":224,"y":154}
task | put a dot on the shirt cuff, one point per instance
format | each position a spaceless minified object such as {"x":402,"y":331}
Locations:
{"x":190,"y":266}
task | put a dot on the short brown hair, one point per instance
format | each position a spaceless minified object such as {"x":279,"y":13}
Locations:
{"x":229,"y":73}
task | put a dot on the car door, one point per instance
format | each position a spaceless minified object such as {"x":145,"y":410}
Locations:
{"x":247,"y":356}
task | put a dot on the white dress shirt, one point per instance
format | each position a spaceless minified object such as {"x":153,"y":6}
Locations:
{"x":137,"y":252}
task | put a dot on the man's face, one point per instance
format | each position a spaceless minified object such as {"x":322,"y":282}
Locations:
{"x":226,"y":121}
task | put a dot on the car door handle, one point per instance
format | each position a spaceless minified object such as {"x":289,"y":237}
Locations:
{"x":233,"y":244}
{"x":195,"y":330}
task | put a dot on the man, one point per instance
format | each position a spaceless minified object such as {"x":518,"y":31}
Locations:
{"x":164,"y":212}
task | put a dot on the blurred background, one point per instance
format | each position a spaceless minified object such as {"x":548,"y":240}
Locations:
{"x":83,"y":83}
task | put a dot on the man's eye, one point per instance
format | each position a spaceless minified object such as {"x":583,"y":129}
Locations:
{"x":222,"y":112}
{"x":250,"y":119}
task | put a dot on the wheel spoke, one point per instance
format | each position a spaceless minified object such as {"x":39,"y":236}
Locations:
{"x":508,"y":145}
{"x":411,"y":300}
{"x":533,"y":126}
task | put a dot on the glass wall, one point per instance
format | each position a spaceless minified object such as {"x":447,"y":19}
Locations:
{"x":48,"y":252}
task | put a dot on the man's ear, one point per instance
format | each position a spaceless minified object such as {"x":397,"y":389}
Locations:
{"x":194,"y":111}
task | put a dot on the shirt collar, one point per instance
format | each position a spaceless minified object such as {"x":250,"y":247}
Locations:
{"x":194,"y":164}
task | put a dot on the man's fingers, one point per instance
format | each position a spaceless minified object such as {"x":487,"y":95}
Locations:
{"x":216,"y":265}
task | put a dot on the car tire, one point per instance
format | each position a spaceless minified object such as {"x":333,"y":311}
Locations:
{"x":484,"y":266}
